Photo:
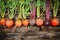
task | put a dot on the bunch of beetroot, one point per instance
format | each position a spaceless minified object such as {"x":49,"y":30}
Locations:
{"x":55,"y":20}
{"x":28,"y":8}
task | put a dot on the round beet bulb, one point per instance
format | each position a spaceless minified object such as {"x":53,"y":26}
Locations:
{"x":54,"y":22}
{"x":32,"y":22}
{"x":47,"y":23}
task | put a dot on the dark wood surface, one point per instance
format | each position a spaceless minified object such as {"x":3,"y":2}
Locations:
{"x":34,"y":34}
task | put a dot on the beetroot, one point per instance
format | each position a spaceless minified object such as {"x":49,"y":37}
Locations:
{"x":47,"y":12}
{"x":47,"y":23}
{"x":54,"y":20}
{"x":32,"y":14}
{"x":32,"y":21}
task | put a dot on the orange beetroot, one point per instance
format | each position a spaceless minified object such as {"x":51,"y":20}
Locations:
{"x":9,"y":23}
{"x":2,"y":21}
{"x":25,"y":22}
{"x":39,"y":22}
{"x":54,"y":22}
{"x":18,"y":23}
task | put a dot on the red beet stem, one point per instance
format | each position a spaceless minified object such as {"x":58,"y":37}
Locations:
{"x":33,"y":12}
{"x":47,"y":9}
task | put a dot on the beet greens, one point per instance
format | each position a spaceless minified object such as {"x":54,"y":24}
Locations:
{"x":2,"y":8}
{"x":11,"y":5}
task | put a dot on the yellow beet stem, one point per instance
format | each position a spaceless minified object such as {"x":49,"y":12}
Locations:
{"x":38,"y":12}
{"x":24,"y":16}
{"x":55,"y":8}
